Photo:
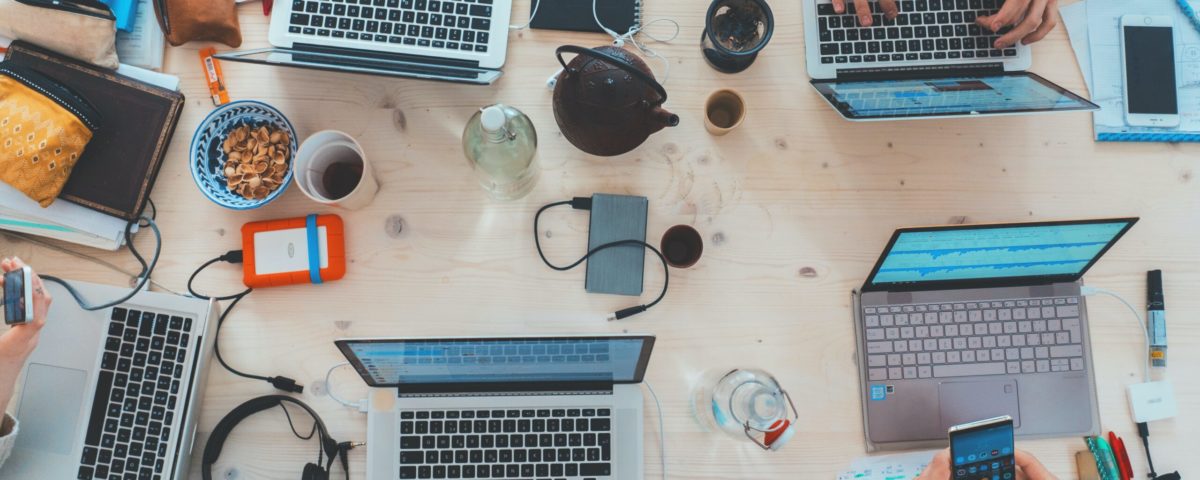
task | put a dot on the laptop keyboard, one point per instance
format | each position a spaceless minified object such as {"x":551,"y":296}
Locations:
{"x":924,"y":30}
{"x":446,"y":24}
{"x":524,"y":443}
{"x":984,"y":338}
{"x":137,"y":391}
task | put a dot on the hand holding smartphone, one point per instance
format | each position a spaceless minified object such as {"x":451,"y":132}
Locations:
{"x":18,"y":296}
{"x":1148,"y":62}
{"x":983,"y":450}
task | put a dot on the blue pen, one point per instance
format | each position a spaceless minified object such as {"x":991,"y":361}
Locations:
{"x":1189,"y":12}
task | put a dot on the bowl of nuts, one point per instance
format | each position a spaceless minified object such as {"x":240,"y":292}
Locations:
{"x":241,"y":155}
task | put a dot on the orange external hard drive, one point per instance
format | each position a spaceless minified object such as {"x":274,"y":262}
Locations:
{"x":308,"y":249}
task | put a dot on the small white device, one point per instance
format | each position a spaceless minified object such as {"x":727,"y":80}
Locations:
{"x":1148,"y":65}
{"x":1152,"y":401}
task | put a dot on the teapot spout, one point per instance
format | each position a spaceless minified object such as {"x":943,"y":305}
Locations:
{"x":662,"y":118}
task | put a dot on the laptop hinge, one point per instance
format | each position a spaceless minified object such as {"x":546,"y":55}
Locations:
{"x":504,"y":389}
{"x":920,"y":71}
{"x":367,"y":56}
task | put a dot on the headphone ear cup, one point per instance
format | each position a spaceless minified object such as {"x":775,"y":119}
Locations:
{"x":313,"y":471}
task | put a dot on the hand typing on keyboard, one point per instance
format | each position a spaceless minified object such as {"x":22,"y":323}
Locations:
{"x":863,"y":7}
{"x":18,"y":342}
{"x":1030,"y":20}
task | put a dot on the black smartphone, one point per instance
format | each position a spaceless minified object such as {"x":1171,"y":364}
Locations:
{"x":983,"y":450}
{"x":18,"y":296}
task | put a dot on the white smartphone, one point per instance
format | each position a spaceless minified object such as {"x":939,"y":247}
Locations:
{"x":1148,"y":63}
{"x":983,"y":450}
{"x":18,"y":296}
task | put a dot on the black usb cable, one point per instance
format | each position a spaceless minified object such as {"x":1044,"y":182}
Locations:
{"x":1144,"y":432}
{"x":585,"y":203}
{"x":235,"y":257}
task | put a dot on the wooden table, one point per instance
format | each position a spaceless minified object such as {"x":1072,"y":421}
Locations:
{"x":794,"y":206}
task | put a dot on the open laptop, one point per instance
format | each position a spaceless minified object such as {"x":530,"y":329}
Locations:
{"x":453,"y":40}
{"x":113,"y":393}
{"x":964,"y":322}
{"x":931,"y":61}
{"x":504,"y":407}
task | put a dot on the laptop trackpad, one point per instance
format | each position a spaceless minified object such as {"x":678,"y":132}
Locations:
{"x":49,"y":411}
{"x":962,"y":402}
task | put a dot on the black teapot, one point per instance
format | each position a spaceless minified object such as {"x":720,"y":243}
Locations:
{"x":606,"y":100}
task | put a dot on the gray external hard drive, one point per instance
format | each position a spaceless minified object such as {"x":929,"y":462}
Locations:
{"x":617,"y":270}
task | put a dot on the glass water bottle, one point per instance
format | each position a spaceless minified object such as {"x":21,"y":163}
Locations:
{"x":500,"y":143}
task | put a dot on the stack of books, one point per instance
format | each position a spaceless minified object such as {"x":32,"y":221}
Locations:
{"x":111,"y":184}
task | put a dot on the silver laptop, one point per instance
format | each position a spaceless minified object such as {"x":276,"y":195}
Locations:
{"x":959,"y":323}
{"x":931,"y":61}
{"x":504,"y":407}
{"x":113,"y":393}
{"x":453,"y":40}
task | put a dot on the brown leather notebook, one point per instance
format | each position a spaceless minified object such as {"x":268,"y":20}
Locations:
{"x":118,"y":168}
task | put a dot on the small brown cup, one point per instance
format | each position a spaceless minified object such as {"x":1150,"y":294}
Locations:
{"x":682,"y":246}
{"x":724,"y":111}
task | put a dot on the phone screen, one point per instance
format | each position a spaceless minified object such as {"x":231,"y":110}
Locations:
{"x":983,"y":453}
{"x":14,"y":296}
{"x":1150,"y":70}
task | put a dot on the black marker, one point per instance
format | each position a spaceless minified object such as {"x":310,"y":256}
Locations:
{"x":1156,"y":318}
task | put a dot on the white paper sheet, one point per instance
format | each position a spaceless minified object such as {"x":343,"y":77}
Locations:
{"x":144,"y":45}
{"x":900,"y":466}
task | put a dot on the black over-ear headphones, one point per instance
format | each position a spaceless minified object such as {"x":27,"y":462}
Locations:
{"x":313,"y":471}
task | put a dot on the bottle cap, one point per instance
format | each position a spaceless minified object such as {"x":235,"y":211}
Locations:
{"x":492,"y":119}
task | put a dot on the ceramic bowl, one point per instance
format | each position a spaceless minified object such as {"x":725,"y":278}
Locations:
{"x":208,"y":158}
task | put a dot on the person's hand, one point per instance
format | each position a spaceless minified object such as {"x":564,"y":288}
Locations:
{"x":19,"y":341}
{"x":1028,"y":467}
{"x":1031,"y":21}
{"x":862,"y":8}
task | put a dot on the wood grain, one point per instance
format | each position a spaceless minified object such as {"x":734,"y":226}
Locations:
{"x":794,"y":206}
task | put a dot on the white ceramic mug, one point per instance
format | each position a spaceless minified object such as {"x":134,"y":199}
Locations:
{"x":331,"y":149}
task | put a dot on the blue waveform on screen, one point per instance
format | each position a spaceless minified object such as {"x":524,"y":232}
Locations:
{"x":986,"y":270}
{"x":941,"y":252}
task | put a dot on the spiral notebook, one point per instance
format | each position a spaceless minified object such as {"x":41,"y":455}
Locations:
{"x":576,"y":15}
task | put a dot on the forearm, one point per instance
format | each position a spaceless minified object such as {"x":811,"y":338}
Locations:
{"x":8,"y":383}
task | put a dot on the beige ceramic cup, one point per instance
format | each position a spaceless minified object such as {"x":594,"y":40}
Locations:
{"x":332,"y":169}
{"x":724,"y":111}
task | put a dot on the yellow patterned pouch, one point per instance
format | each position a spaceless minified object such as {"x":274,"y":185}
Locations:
{"x":44,"y":128}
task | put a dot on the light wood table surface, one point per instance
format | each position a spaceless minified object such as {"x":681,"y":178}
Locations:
{"x":794,"y":207}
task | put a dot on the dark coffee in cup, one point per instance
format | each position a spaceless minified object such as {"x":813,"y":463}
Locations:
{"x":682,"y":246}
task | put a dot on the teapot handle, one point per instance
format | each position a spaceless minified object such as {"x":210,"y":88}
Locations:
{"x":623,"y":65}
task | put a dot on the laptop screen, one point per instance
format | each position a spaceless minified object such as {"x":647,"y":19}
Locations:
{"x":1059,"y":251}
{"x":391,"y":362}
{"x":1019,"y":92}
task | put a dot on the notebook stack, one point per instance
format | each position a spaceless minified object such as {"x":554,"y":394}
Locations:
{"x":110,"y":186}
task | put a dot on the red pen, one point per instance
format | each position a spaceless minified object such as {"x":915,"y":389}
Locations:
{"x":267,"y":5}
{"x":1122,"y":456}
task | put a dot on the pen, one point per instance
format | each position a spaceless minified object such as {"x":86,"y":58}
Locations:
{"x":166,"y":22}
{"x":1156,"y":318}
{"x":1189,"y":12}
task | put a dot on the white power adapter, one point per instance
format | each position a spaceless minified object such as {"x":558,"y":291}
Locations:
{"x":1152,"y":401}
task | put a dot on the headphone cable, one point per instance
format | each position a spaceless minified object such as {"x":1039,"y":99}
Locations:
{"x":143,"y":276}
{"x":585,"y":203}
{"x":235,"y":257}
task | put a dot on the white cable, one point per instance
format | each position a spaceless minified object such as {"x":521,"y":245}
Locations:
{"x":631,"y":36}
{"x":532,"y":15}
{"x":1136,"y":315}
{"x":662,"y":434}
{"x":620,"y":39}
{"x":360,"y":406}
